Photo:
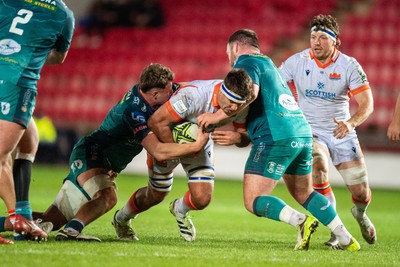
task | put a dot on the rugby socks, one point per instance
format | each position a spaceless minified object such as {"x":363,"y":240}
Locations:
{"x":2,"y":222}
{"x":276,"y":209}
{"x":361,"y":207}
{"x":22,"y":176}
{"x":184,"y":204}
{"x":326,"y":190}
{"x":339,"y":230}
{"x":11,"y":214}
{"x":320,"y":207}
{"x":24,"y":208}
{"x":129,"y":211}
{"x":22,"y":179}
{"x":75,"y":225}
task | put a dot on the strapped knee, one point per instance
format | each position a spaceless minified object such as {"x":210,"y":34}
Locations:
{"x":354,"y":175}
{"x":204,"y":175}
{"x":161,"y":182}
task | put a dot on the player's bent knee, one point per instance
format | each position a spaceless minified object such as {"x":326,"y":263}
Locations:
{"x":71,"y":198}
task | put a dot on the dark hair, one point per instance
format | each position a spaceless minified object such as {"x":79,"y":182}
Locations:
{"x":155,"y":76}
{"x":245,"y":37}
{"x":329,"y":22}
{"x":239,"y":82}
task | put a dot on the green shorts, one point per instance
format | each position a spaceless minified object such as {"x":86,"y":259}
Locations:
{"x":17,"y":103}
{"x":273,"y":159}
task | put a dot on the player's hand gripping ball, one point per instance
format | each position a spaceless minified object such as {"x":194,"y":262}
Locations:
{"x":185,"y":132}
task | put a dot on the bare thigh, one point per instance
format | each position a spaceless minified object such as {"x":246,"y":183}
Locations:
{"x":255,"y":186}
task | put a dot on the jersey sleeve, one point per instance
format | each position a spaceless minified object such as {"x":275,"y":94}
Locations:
{"x":63,"y":42}
{"x":138,"y":124}
{"x":357,"y":78}
{"x":287,"y":68}
{"x":183,"y":103}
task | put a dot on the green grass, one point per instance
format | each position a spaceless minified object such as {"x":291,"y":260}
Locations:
{"x":227,"y":235}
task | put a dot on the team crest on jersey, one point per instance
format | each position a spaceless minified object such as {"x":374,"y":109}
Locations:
{"x":288,"y":102}
{"x":9,"y":47}
{"x":335,"y":76}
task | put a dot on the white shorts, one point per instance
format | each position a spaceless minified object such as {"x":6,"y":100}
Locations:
{"x":70,"y":198}
{"x":340,"y":150}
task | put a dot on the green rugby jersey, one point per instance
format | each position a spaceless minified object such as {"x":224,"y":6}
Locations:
{"x":275,"y":114}
{"x":29,"y":29}
{"x":118,"y":140}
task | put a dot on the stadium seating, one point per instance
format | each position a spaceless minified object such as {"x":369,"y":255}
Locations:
{"x":192,"y":43}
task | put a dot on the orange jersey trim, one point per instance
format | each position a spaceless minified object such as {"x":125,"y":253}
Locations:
{"x":333,"y":58}
{"x":172,"y":112}
{"x":215,"y":95}
{"x":360,"y":89}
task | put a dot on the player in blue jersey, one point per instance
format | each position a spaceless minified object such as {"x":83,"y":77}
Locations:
{"x":281,"y":147}
{"x":23,"y":51}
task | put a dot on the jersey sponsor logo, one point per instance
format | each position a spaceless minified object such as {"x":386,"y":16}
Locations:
{"x":136,"y":116}
{"x":288,"y":102}
{"x":5,"y":108}
{"x":9,"y":47}
{"x":179,"y":106}
{"x":295,"y":144}
{"x":320,"y":94}
{"x":48,"y":4}
{"x":139,"y":128}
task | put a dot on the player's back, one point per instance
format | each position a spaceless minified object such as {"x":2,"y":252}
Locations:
{"x":29,"y":29}
{"x":274,"y":113}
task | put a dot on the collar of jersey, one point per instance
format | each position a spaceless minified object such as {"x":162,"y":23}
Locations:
{"x":333,"y":58}
{"x":215,"y":95}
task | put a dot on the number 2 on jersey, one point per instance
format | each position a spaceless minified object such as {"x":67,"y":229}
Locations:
{"x":23,"y":18}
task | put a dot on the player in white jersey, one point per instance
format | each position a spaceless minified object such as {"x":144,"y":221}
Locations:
{"x":325,"y":79}
{"x":191,"y":100}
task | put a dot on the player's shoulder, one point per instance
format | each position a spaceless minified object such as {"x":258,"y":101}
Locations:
{"x":347,"y":61}
{"x":302,"y":55}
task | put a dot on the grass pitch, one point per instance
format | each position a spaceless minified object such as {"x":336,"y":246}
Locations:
{"x":227,"y":235}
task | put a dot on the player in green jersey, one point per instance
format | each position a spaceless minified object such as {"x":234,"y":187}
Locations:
{"x":89,"y":191}
{"x":32,"y":33}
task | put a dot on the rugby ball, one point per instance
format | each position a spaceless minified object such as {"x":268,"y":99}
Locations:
{"x":185,"y":132}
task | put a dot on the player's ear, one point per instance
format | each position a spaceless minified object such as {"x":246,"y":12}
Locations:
{"x":234,"y":106}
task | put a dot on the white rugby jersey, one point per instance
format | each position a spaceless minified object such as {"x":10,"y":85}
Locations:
{"x":324,"y":91}
{"x":198,"y":97}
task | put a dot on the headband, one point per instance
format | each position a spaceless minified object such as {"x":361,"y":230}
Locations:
{"x":329,"y":32}
{"x":231,"y":95}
